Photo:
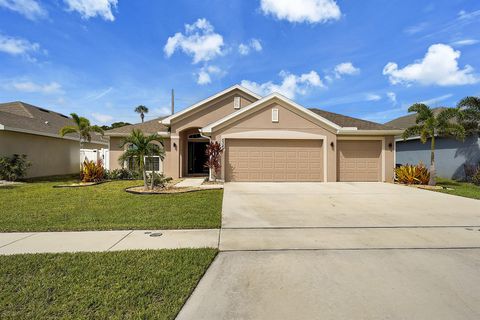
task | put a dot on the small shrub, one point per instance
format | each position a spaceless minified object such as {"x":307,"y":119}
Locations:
{"x":14,"y":167}
{"x":92,"y":171}
{"x":160,"y":180}
{"x":412,"y":174}
{"x":470,"y":171}
{"x":476,"y":177}
{"x":122,"y":174}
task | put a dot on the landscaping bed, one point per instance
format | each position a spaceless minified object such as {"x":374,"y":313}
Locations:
{"x":110,"y":285}
{"x":37,"y":206}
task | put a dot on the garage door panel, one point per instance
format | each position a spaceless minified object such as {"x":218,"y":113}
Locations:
{"x":282,"y":160}
{"x":359,"y":160}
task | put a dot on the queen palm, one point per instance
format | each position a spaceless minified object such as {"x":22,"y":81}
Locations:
{"x":82,"y":127}
{"x":470,"y":113}
{"x":430,"y":125}
{"x":139,"y":147}
{"x":141,"y":109}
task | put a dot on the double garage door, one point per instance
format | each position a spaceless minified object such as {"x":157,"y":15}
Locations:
{"x":274,"y":160}
{"x":300,"y":160}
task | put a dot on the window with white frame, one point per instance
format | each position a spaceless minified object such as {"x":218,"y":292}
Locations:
{"x":275,"y":115}
{"x":236,"y":102}
{"x":149,"y":162}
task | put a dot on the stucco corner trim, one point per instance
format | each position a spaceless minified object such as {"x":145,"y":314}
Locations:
{"x":167,"y":120}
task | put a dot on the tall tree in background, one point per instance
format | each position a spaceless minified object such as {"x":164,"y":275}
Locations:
{"x":82,"y":127}
{"x":141,"y":110}
{"x":430,"y":125}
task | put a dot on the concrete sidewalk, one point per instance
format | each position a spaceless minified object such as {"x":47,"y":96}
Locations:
{"x":94,"y":241}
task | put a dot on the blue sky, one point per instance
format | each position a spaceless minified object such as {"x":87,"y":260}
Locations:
{"x":369,"y":59}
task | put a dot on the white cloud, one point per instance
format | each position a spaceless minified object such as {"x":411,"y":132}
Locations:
{"x":392,"y":96}
{"x":254,"y":44}
{"x":32,"y":87}
{"x":437,"y":99}
{"x":311,"y":11}
{"x":465,"y":42}
{"x":416,"y":28}
{"x":290,"y":86}
{"x":92,"y":8}
{"x":199,"y":41}
{"x":205,"y":74}
{"x":464,"y":15}
{"x":17,"y":46}
{"x":439,"y":66}
{"x":372,"y":97}
{"x":345,"y":68}
{"x":30,"y":9}
{"x":102,"y":118}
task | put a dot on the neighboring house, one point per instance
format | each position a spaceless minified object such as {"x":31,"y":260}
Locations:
{"x":450,"y":154}
{"x":33,"y":131}
{"x":270,"y":139}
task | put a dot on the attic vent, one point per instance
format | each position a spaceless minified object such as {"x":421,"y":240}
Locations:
{"x":275,"y":115}
{"x":236,"y":102}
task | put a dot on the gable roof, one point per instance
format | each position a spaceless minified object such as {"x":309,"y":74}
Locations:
{"x":166,"y":121}
{"x":346,"y":121}
{"x":408,"y":120}
{"x":339,"y":123}
{"x":23,"y":117}
{"x":270,"y":97}
{"x":147,"y":127}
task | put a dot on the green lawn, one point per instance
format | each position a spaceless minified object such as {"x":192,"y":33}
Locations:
{"x":462,"y":189}
{"x":109,"y":285}
{"x":37,"y":206}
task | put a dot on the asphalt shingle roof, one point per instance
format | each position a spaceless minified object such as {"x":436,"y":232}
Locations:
{"x":24,"y":116}
{"x":408,"y":120}
{"x":346,"y":121}
{"x":147,"y":127}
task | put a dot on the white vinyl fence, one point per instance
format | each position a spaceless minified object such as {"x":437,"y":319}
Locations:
{"x":95,"y":155}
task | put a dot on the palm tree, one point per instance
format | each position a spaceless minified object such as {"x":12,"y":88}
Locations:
{"x":430,"y":125}
{"x":142,"y":110}
{"x":82,"y":127}
{"x":139,"y":147}
{"x":470,"y":114}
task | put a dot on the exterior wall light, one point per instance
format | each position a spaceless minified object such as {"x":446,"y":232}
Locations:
{"x":332,"y":144}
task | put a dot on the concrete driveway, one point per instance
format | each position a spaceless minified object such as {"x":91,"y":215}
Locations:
{"x":274,"y":205}
{"x":342,"y":251}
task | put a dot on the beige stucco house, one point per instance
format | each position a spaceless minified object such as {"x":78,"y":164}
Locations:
{"x":269,"y":138}
{"x":33,"y":131}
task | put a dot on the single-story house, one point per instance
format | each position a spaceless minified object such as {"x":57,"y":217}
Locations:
{"x":34,"y":131}
{"x":451,"y":155}
{"x":270,"y":138}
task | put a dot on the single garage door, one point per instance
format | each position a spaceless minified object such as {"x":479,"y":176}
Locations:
{"x":274,"y":160}
{"x":359,"y":160}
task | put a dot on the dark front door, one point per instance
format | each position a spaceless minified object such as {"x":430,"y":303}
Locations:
{"x":197,"y":157}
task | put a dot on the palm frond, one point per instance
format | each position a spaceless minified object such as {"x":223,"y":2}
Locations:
{"x":412,"y":131}
{"x":68,"y":129}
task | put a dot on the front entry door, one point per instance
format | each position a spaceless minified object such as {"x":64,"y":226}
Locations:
{"x":197,"y":157}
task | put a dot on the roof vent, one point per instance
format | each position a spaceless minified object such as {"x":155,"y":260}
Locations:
{"x":46,"y":122}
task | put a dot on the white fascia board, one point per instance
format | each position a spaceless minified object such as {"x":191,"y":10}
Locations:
{"x":52,"y":135}
{"x":209,"y":128}
{"x":167,"y":120}
{"x":388,"y":132}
